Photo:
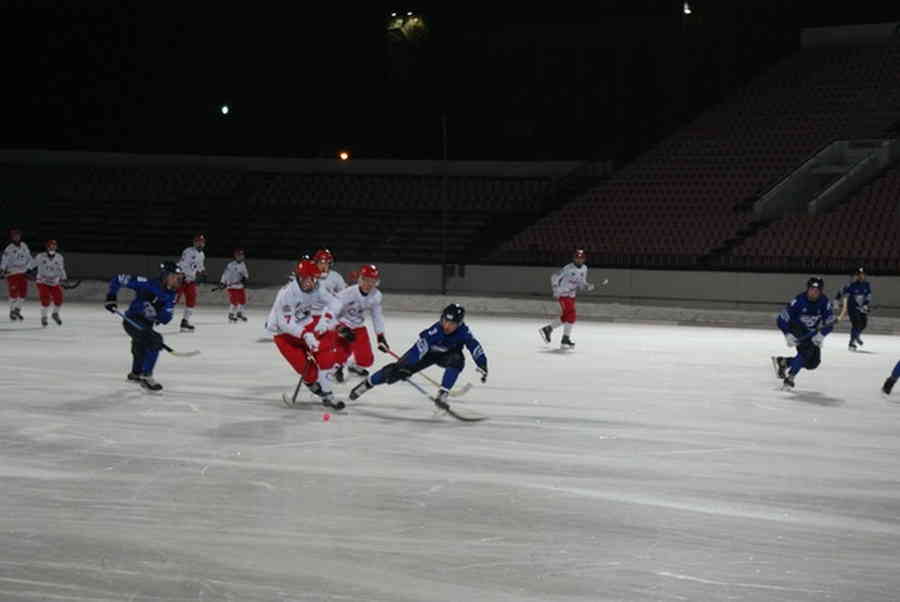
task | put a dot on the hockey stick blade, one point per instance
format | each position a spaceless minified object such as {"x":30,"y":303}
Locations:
{"x":447,"y":410}
{"x":71,"y":285}
{"x":183,"y":353}
{"x":465,"y":417}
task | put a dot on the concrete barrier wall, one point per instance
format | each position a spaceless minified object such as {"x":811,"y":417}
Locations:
{"x":710,"y":290}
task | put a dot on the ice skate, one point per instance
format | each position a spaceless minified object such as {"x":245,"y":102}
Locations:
{"x":186,"y":326}
{"x":566,"y":342}
{"x":56,"y":318}
{"x":44,"y":321}
{"x":440,"y":400}
{"x":888,"y":385}
{"x":133,"y":377}
{"x":149,"y":383}
{"x":339,"y":374}
{"x":788,"y":383}
{"x":545,"y":332}
{"x":361,"y":372}
{"x":360,"y":389}
{"x":240,"y":316}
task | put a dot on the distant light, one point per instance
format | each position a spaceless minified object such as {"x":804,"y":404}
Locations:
{"x":409,"y":14}
{"x":687,"y":8}
{"x":343,"y":155}
{"x":225,"y":109}
{"x":393,"y":14}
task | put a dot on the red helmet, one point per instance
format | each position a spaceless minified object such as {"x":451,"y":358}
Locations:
{"x":306,"y":269}
{"x":52,"y":243}
{"x":200,"y":238}
{"x":580,"y":254}
{"x":323,"y":255}
{"x":369,"y":271}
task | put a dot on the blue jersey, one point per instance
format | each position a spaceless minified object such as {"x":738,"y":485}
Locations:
{"x":859,"y":296}
{"x":433,"y":340}
{"x":803,"y":317}
{"x":152,"y":301}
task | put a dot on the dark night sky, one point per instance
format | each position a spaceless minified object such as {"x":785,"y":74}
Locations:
{"x":521,"y":84}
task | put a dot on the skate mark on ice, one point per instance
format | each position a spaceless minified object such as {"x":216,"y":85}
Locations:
{"x":738,"y":584}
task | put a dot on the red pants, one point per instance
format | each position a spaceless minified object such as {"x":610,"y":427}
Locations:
{"x":237,"y":296}
{"x":360,"y":348}
{"x":568,"y":309}
{"x":189,"y":290}
{"x":48,"y":293}
{"x":296,"y":353}
{"x":17,"y":285}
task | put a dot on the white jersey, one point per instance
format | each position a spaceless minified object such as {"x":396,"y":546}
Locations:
{"x":234,"y":274}
{"x":569,"y":280}
{"x":293,"y":309}
{"x":354,"y":305}
{"x":50,"y":270}
{"x":333,"y":283}
{"x":16,"y":259}
{"x":193,"y":260}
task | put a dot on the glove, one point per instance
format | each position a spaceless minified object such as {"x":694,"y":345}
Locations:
{"x":864,"y":309}
{"x":383,"y":344}
{"x":110,"y":304}
{"x":324,"y":321}
{"x":149,"y":311}
{"x":790,"y":339}
{"x":346,"y":333}
{"x":312,"y":343}
{"x":590,"y":287}
{"x":818,"y":339}
{"x":483,"y":373}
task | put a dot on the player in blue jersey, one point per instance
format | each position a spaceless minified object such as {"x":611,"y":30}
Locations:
{"x":440,"y":344}
{"x":154,"y":303}
{"x":857,"y":298}
{"x":805,"y":322}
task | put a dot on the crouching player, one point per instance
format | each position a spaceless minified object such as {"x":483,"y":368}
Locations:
{"x":441,"y":344}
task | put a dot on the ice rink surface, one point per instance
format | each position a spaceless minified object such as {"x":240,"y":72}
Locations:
{"x":653,"y":463}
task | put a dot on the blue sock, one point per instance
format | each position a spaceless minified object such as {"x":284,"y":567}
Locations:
{"x":450,"y":376}
{"x":377,"y":378}
{"x":796,"y":363}
{"x":896,"y":373}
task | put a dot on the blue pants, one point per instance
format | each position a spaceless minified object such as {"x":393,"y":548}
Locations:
{"x":145,"y":346}
{"x":452,"y":363}
{"x":858,"y":323}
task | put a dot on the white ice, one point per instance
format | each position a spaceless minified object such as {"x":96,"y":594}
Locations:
{"x":652,"y":463}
